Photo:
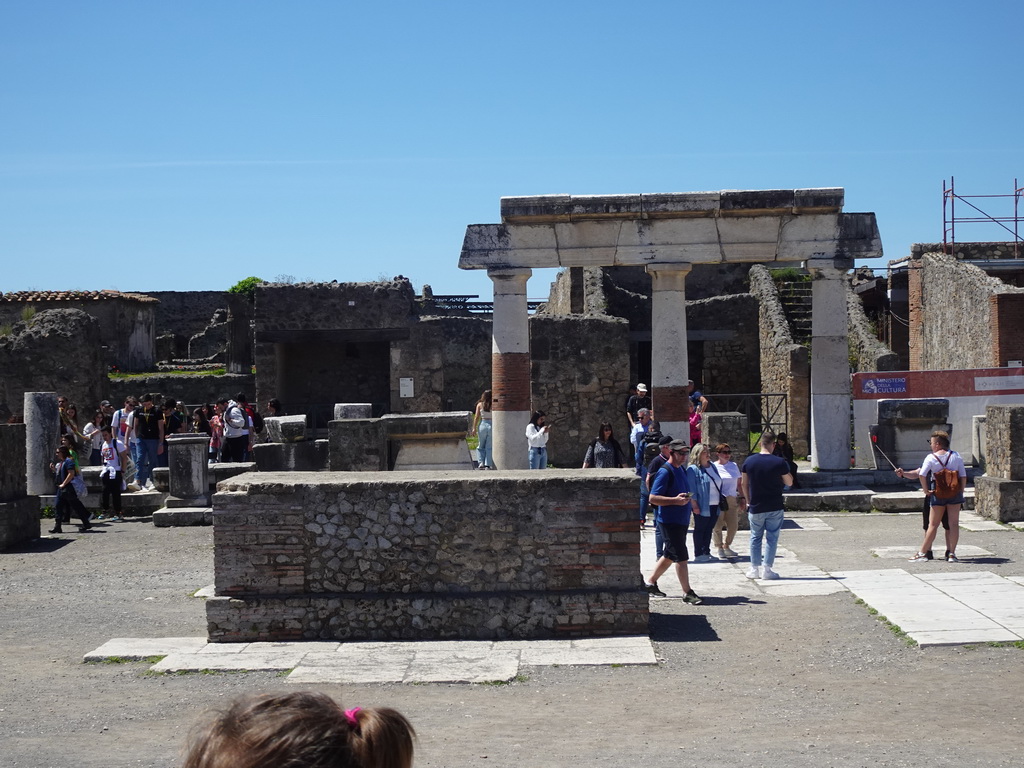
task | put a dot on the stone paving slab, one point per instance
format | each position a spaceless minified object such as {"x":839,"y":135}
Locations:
{"x":963,"y":551}
{"x":972,"y":521}
{"x":943,"y":608}
{"x":448,"y":661}
{"x":140,"y":648}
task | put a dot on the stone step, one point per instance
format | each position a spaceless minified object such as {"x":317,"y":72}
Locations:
{"x":849,"y":498}
{"x":182,"y":516}
{"x":911,"y":501}
{"x":138,"y":504}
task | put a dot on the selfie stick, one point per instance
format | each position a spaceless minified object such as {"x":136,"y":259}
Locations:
{"x":874,"y":444}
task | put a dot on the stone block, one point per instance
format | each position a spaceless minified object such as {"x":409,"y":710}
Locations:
{"x":286,"y":429}
{"x":727,"y":427}
{"x":438,"y":454}
{"x":353,"y":411}
{"x":188,"y":470}
{"x":1004,"y":441}
{"x":19,"y":521}
{"x":998,"y":498}
{"x":182,"y":516}
{"x":357,"y":445}
{"x":396,"y":425}
{"x":42,"y":434}
{"x":309,"y":456}
{"x":161,"y":478}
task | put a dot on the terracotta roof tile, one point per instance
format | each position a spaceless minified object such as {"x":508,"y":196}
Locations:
{"x":28,"y":297}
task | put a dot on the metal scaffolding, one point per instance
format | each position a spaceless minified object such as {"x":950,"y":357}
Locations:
{"x":950,"y":218}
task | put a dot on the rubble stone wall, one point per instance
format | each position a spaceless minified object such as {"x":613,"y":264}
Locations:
{"x":354,"y":556}
{"x":579,"y":379}
{"x":866,"y":351}
{"x":785,"y":366}
{"x":19,"y":513}
{"x":186,"y":313}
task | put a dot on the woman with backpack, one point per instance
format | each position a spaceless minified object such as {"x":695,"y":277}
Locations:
{"x":943,"y":477}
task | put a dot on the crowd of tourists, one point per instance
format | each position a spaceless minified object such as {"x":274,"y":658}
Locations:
{"x":131,"y":441}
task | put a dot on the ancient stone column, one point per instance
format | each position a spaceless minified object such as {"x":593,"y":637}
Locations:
{"x":510,"y":368}
{"x":669,"y":364}
{"x":830,"y":364}
{"x":188,"y":471}
{"x":42,"y":433}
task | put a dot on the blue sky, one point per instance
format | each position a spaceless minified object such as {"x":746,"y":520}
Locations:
{"x":185,"y":145}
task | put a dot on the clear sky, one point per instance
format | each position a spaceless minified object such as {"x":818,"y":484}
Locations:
{"x":185,"y":145}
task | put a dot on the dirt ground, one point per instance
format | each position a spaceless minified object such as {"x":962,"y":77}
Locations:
{"x":785,"y":681}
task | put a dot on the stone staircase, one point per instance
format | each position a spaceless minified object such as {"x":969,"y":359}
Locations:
{"x":795,"y":296}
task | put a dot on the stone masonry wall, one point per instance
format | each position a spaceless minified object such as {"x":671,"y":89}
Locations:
{"x":867,"y":353}
{"x":356,"y":556}
{"x":192,"y":389}
{"x":186,"y":313}
{"x":954,"y":328}
{"x":580,"y":369}
{"x":730,"y":364}
{"x":784,"y":365}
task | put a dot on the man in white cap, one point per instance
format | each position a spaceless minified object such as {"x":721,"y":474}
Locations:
{"x":640,"y":400}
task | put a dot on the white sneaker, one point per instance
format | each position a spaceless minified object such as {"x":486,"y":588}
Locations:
{"x":722,"y":554}
{"x":768,"y":574}
{"x":754,"y":573}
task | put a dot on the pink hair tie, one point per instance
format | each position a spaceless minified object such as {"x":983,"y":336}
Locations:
{"x":350,"y":715}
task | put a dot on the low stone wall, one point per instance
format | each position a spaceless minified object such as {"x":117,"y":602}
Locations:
{"x":999,"y":494}
{"x":19,"y":513}
{"x":365,"y":556}
{"x":194,"y":390}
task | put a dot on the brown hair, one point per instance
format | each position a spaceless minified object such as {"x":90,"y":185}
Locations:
{"x":943,"y":438}
{"x":302,"y":730}
{"x":722,"y":447}
{"x":485,"y":400}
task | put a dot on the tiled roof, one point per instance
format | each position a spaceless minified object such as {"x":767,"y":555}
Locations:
{"x":28,"y":297}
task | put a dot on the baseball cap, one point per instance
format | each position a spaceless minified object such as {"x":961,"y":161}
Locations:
{"x":641,"y":387}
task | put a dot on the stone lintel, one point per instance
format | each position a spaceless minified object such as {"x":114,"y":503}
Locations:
{"x":568,"y":208}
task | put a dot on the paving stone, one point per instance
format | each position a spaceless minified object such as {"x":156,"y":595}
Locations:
{"x":320,"y":667}
{"x":808,"y":524}
{"x":311,"y":646}
{"x":138,"y":648}
{"x":938,"y":549}
{"x":971,"y":521}
{"x":443,"y":667}
{"x":207,"y":591}
{"x":224,"y":648}
{"x":229,"y":662}
{"x":169,"y":517}
{"x":963,"y":637}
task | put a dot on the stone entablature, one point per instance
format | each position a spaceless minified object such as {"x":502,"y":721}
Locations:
{"x":354,"y":556}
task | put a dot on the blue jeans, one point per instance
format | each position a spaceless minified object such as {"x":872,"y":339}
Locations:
{"x":764,"y":525}
{"x":645,"y":500}
{"x":483,"y":451}
{"x":659,"y":540}
{"x":538,"y":458}
{"x":702,"y":528}
{"x":147,"y":460}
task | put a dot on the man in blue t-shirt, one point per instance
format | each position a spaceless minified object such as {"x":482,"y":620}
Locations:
{"x":762,"y":481}
{"x":671,"y":493}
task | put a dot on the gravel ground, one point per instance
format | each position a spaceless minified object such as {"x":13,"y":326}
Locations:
{"x":786,"y":681}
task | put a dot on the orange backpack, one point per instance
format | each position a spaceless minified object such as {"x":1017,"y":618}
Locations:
{"x":947,"y":481}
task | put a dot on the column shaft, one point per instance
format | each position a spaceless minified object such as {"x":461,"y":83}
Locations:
{"x":510,"y":368}
{"x":830,"y":366}
{"x":669,"y":362}
{"x":42,"y":434}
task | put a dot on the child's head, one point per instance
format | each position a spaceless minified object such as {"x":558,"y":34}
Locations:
{"x":302,"y":730}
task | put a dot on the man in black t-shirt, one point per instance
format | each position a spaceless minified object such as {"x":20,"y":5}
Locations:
{"x":640,"y":400}
{"x":149,"y":429}
{"x":764,"y":477}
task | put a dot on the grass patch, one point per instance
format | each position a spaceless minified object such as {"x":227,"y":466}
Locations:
{"x":126,"y":660}
{"x":1006,"y":644}
{"x":6,"y":329}
{"x":47,"y":513}
{"x":894,"y":628}
{"x":473,"y":441}
{"x":520,"y":678}
{"x":121,"y":376}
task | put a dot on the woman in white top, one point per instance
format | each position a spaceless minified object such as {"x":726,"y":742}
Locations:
{"x":728,"y":518}
{"x":537,"y":436}
{"x":482,"y":428}
{"x":941,"y":458}
{"x":95,"y":437}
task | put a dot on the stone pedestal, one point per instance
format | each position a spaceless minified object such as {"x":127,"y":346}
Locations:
{"x":728,"y":427}
{"x":830,"y":364}
{"x":42,"y":433}
{"x":510,"y":368}
{"x":669,"y":362}
{"x":188,"y":470}
{"x":997,"y":498}
{"x":286,"y":429}
{"x":353,"y":411}
{"x":19,"y":513}
{"x":978,"y":441}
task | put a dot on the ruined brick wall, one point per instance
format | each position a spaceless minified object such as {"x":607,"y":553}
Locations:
{"x":867,"y":353}
{"x":1006,"y":318}
{"x":449,"y":360}
{"x":189,"y":388}
{"x":579,"y":378}
{"x":353,"y":556}
{"x":785,"y":366}
{"x":186,"y":313}
{"x":59,"y":350}
{"x":577,"y":290}
{"x":731,"y":361}
{"x":951,"y":320}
